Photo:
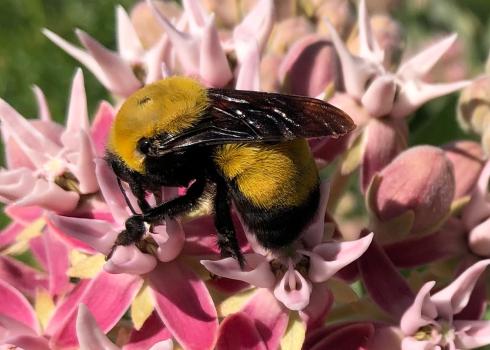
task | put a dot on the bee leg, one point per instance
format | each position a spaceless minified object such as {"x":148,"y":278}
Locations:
{"x":178,"y":205}
{"x":135,"y":229}
{"x":227,"y":240}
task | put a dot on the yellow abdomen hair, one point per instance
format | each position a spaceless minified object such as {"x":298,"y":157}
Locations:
{"x":170,"y":105}
{"x":270,"y":176}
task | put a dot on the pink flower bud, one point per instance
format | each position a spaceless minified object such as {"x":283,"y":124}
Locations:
{"x":467,"y":158}
{"x":309,"y":67}
{"x":420,"y":179}
{"x":474,"y":106}
{"x":145,"y":22}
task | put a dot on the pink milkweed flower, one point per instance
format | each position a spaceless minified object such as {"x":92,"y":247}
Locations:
{"x":180,"y":298}
{"x":384,"y":93}
{"x":124,"y":71}
{"x":434,"y":321}
{"x":293,"y":278}
{"x":48,"y":166}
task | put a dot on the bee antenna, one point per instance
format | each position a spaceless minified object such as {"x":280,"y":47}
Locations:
{"x":126,"y":199}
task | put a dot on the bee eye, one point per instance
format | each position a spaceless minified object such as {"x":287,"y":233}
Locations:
{"x":144,"y":145}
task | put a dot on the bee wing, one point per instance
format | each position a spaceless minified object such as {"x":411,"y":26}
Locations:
{"x":236,"y":116}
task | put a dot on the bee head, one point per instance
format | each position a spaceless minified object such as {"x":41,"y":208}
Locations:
{"x":167,"y":107}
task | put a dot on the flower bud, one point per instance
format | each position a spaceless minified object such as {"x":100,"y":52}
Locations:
{"x":468,"y":159}
{"x":309,"y":67}
{"x":420,"y":180}
{"x":144,"y":21}
{"x":474,"y":106}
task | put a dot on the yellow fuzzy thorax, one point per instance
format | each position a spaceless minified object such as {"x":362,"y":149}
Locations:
{"x":270,"y":176}
{"x":170,"y":105}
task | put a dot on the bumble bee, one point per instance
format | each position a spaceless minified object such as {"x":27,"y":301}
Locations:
{"x":244,"y":147}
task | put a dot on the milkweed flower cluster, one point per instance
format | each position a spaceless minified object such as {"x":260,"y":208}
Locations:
{"x":409,"y":275}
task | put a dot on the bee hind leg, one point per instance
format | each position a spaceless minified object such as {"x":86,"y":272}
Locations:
{"x":227,"y":240}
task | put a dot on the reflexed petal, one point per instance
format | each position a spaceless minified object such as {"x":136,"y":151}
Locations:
{"x":421,"y":313}
{"x":152,"y":332}
{"x":420,"y":64}
{"x":257,"y":270}
{"x":293,"y":290}
{"x":380,"y":96}
{"x":77,"y":118}
{"x":98,"y":234}
{"x":129,"y":259}
{"x":321,"y":300}
{"x":155,"y":60}
{"x":455,"y":296}
{"x":472,"y":334}
{"x":184,"y":304}
{"x":15,"y":306}
{"x":196,"y":15}
{"x":386,"y":286}
{"x":89,"y":334}
{"x":128,"y":43}
{"x":170,"y":239}
{"x":57,"y":262}
{"x":213,"y":64}
{"x":26,"y":342}
{"x":368,"y":45}
{"x":84,"y":167}
{"x":479,"y":239}
{"x":42,"y":104}
{"x":15,"y":184}
{"x":328,"y":258}
{"x":111,"y":192}
{"x":101,"y":126}
{"x":9,"y":234}
{"x":118,"y":74}
{"x":269,"y":316}
{"x":200,"y":236}
{"x":248,"y":77}
{"x":24,"y":215}
{"x":238,"y":331}
{"x":94,"y":294}
{"x":50,"y":196}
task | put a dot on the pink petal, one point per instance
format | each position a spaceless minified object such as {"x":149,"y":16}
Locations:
{"x":413,"y":94}
{"x":420,"y":64}
{"x":384,"y":139}
{"x":128,"y":42}
{"x":50,"y":196}
{"x":455,"y":297}
{"x":248,"y":76}
{"x":321,"y":301}
{"x":415,"y":251}
{"x":326,"y":259}
{"x":477,"y":305}
{"x":195,"y":14}
{"x":421,"y":313}
{"x":349,"y":337}
{"x":257,"y":270}
{"x":77,"y":119}
{"x":479,"y":239}
{"x":409,"y":343}
{"x":368,"y":45}
{"x":386,"y":286}
{"x":200,"y":236}
{"x":42,"y":104}
{"x":257,"y":25}
{"x":15,"y":184}
{"x":119,"y":75}
{"x":110,"y":190}
{"x":83,"y":167}
{"x":101,"y":126}
{"x":10,"y":329}
{"x":478,"y":209}
{"x":57,"y":263}
{"x":129,"y":259}
{"x":89,"y":334}
{"x":472,"y":334}
{"x":121,"y":288}
{"x":237,"y":331}
{"x":23,"y":215}
{"x":98,"y":234}
{"x":26,"y":342}
{"x":14,"y":305}
{"x":313,"y":234}
{"x":9,"y":234}
{"x":293,"y":290}
{"x":184,"y":304}
{"x":152,"y":332}
{"x":386,"y":337}
{"x":213,"y":64}
{"x":380,"y":96}
{"x":355,"y":71}
{"x":170,"y":239}
{"x":155,"y":60}
{"x":269,"y":316}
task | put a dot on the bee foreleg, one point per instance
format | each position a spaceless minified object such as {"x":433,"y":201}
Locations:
{"x":177,"y":206}
{"x":227,"y":240}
